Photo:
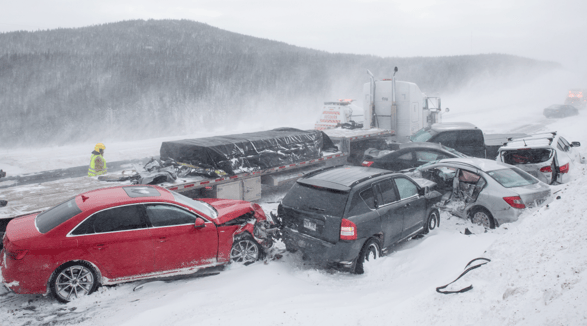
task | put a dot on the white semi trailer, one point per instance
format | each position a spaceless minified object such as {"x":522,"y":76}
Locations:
{"x":398,"y":105}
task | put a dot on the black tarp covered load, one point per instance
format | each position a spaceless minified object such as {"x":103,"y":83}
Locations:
{"x":251,"y":151}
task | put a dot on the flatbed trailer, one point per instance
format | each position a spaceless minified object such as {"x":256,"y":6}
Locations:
{"x":37,"y":197}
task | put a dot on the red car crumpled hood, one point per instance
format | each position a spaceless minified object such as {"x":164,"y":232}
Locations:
{"x":229,"y":209}
{"x":22,"y":228}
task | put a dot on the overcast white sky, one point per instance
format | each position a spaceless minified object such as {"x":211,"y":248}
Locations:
{"x":540,"y":29}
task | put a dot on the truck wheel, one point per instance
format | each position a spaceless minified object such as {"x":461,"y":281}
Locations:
{"x":245,"y":250}
{"x":370,"y":252}
{"x":481,"y":216}
{"x":73,"y":280}
{"x":432,"y":222}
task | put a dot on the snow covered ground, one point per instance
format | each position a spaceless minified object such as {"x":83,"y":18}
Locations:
{"x":537,"y":274}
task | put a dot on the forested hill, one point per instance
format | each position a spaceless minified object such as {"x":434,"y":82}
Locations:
{"x":138,"y":79}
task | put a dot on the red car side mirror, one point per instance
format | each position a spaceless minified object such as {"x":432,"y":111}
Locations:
{"x":200,"y":223}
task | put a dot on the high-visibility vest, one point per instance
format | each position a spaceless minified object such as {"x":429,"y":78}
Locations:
{"x":92,"y":170}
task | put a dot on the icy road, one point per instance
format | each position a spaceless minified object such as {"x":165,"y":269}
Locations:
{"x":537,"y":276}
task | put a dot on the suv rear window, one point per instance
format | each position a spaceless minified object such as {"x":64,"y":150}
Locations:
{"x":50,"y":219}
{"x":318,"y":199}
{"x":526,"y":156}
{"x":510,"y":178}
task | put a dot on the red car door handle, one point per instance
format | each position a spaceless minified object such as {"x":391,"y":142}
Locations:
{"x":100,"y":246}
{"x":162,"y":239}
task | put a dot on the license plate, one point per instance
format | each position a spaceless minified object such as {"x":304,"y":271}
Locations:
{"x":310,"y":225}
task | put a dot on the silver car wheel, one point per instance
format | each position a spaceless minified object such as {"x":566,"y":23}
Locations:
{"x":244,"y":251}
{"x":73,"y":282}
{"x":481,"y":218}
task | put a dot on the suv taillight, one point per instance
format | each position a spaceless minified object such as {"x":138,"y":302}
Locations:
{"x":564,"y":168}
{"x":348,"y":230}
{"x":367,"y":163}
{"x":515,"y":201}
{"x":546,"y":169}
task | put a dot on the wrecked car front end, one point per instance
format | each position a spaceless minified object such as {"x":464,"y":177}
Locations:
{"x":238,"y":219}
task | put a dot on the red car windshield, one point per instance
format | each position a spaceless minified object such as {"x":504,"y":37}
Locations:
{"x":196,"y":204}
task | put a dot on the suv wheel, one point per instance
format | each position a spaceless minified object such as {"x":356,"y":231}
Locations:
{"x":432,"y":222}
{"x":369,"y":253}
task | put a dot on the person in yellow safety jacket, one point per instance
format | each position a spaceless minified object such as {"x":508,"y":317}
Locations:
{"x":97,"y":162}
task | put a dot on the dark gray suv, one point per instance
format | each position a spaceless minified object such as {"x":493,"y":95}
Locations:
{"x":347,"y":216}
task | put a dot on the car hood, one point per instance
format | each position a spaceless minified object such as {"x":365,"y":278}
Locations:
{"x":230,"y":209}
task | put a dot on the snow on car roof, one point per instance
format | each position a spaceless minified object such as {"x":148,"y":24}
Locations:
{"x":479,"y":163}
{"x":116,"y":195}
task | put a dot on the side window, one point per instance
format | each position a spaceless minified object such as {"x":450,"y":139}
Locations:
{"x":362,"y":202}
{"x":428,"y":156}
{"x":471,"y":138}
{"x":368,"y":197}
{"x":112,"y":220}
{"x":563,"y":144}
{"x":386,"y":191}
{"x":405,"y":157}
{"x":166,"y":215}
{"x":448,"y":138}
{"x":406,"y":188}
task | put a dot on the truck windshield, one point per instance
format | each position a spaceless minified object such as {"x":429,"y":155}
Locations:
{"x":511,"y":178}
{"x":526,"y":156}
{"x":316,"y":199}
{"x":422,"y":135}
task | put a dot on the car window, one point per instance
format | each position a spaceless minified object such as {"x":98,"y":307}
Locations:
{"x":448,"y":138}
{"x":50,"y":219}
{"x":362,"y":202}
{"x":428,"y":156}
{"x":406,"y":188}
{"x":565,"y":144}
{"x":166,"y":215}
{"x":405,"y":157}
{"x":469,"y":177}
{"x":386,"y":192}
{"x":471,"y":138}
{"x":122,"y":218}
{"x":513,"y":177}
{"x":526,"y":156}
{"x":317,"y":199}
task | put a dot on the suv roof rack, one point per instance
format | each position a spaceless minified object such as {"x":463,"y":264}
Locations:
{"x":370,"y":177}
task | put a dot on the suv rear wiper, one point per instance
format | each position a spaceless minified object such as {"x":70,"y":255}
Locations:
{"x":316,"y":209}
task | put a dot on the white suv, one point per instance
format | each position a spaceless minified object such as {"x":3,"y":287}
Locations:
{"x":547,"y":156}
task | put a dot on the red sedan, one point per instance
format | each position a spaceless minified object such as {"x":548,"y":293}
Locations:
{"x":123,"y":234}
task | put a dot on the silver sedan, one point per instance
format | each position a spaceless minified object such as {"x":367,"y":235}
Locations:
{"x":490,"y":193}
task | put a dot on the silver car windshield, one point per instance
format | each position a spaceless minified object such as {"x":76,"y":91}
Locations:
{"x":200,"y":206}
{"x":511,"y":178}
